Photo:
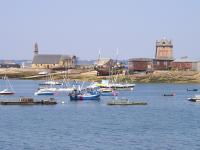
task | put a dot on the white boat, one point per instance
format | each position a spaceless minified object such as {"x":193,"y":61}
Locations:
{"x":44,"y":92}
{"x":51,"y":83}
{"x":196,"y":98}
{"x":8,"y":90}
{"x":114,"y":85}
{"x":65,"y":89}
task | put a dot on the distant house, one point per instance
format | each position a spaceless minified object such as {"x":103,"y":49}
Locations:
{"x":140,"y":64}
{"x":51,"y":61}
{"x":9,"y":65}
{"x":107,"y":66}
{"x":196,"y":66}
{"x":184,"y":64}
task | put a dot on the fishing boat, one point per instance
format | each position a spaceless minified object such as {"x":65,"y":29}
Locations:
{"x":80,"y":95}
{"x":192,"y":89}
{"x":8,"y":90}
{"x":125,"y":102}
{"x":196,"y":98}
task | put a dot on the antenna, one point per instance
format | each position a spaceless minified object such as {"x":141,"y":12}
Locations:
{"x":117,"y":54}
{"x":99,"y":57}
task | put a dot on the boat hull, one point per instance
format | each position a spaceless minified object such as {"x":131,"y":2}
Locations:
{"x":7,"y":93}
{"x":44,"y":93}
{"x":85,"y":97}
{"x":194,"y":99}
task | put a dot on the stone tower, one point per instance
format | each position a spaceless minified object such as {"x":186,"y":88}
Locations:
{"x":36,"y":49}
{"x":164,"y":49}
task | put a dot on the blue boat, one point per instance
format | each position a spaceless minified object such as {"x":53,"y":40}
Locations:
{"x":192,"y":89}
{"x":78,"y":95}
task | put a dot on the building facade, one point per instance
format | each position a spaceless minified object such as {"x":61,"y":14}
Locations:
{"x":51,"y":61}
{"x":140,"y":65}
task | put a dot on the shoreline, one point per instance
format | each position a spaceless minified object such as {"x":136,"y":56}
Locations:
{"x":90,"y":75}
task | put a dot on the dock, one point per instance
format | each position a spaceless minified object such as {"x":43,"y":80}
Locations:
{"x":125,"y":102}
{"x":29,"y":101}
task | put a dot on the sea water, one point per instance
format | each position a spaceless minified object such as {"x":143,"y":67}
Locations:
{"x":165,"y":123}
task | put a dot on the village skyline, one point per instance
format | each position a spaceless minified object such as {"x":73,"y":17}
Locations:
{"x":81,"y":28}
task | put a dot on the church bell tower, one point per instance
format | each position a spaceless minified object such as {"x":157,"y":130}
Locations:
{"x":36,"y":49}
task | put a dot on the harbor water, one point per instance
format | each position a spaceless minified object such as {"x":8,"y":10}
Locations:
{"x":167,"y":122}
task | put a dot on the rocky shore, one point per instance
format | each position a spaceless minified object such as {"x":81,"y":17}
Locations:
{"x":90,"y":75}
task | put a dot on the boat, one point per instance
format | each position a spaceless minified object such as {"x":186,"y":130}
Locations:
{"x":44,"y":92}
{"x":80,"y":95}
{"x":108,"y":92}
{"x":196,"y":98}
{"x":125,"y":102}
{"x":29,"y":101}
{"x":169,"y":94}
{"x":8,"y":90}
{"x":114,"y":85}
{"x":65,"y":89}
{"x":51,"y":83}
{"x":192,"y":89}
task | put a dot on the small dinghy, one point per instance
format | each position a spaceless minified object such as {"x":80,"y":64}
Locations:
{"x":192,"y":89}
{"x":169,"y":94}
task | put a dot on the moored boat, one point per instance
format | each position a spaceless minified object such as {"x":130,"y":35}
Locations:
{"x":116,"y":86}
{"x":44,"y":92}
{"x":125,"y":102}
{"x":196,"y":98}
{"x":79,"y":95}
{"x":6,"y":92}
{"x":169,"y":94}
{"x":108,"y":92}
{"x":192,"y":89}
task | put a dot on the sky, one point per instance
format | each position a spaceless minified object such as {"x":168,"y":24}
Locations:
{"x":83,"y":27}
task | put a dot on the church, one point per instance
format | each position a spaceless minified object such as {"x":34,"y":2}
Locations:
{"x":52,"y":61}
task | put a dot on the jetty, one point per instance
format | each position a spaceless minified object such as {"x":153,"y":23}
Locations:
{"x":29,"y":101}
{"x":125,"y":102}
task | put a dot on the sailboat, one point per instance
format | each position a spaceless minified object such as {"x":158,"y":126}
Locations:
{"x":8,"y":88}
{"x":50,"y":81}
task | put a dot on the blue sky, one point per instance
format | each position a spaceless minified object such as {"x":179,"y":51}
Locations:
{"x":82,"y":27}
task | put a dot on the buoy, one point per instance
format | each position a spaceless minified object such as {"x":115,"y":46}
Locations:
{"x":62,"y":102}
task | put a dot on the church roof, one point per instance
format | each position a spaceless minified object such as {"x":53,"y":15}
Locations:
{"x":48,"y":58}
